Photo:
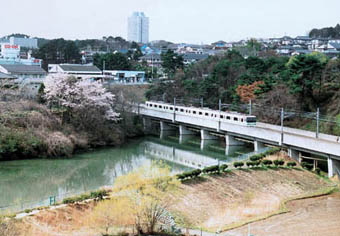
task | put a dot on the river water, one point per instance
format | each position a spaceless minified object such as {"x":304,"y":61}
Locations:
{"x":30,"y":183}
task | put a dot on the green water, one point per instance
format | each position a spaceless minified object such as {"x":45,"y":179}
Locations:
{"x":29,"y":183}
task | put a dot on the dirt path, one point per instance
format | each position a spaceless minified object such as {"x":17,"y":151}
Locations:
{"x":309,"y":217}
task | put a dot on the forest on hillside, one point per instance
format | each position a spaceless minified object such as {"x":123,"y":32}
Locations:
{"x":327,"y":32}
{"x":301,"y":83}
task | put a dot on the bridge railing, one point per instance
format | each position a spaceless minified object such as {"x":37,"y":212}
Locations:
{"x":313,"y":121}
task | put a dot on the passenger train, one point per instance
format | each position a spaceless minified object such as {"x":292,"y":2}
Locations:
{"x":206,"y":113}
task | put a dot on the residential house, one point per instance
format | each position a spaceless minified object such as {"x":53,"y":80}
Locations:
{"x":77,"y":70}
{"x":27,"y":76}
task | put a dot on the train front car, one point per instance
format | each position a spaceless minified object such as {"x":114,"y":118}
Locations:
{"x":251,"y":120}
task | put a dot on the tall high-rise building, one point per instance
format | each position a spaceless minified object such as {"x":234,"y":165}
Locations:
{"x":138,"y":28}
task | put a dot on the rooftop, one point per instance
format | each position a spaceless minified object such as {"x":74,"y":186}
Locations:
{"x":6,"y":76}
{"x":79,"y":68}
{"x":23,"y":69}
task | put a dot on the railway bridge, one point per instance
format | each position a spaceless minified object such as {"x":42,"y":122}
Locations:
{"x":296,"y":141}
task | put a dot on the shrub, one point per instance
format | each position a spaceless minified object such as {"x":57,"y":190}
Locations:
{"x":318,"y":170}
{"x":95,"y":194}
{"x":180,"y":176}
{"x":307,"y":166}
{"x":291,"y":164}
{"x":211,"y":169}
{"x":99,"y":194}
{"x":257,"y":163}
{"x":195,"y":173}
{"x":27,"y":211}
{"x":238,"y":164}
{"x":250,"y":163}
{"x":281,"y":162}
{"x":256,"y":157}
{"x":276,"y":162}
{"x":223,"y":167}
{"x":267,"y":162}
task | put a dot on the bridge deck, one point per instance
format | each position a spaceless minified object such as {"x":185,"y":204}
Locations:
{"x":327,"y":145}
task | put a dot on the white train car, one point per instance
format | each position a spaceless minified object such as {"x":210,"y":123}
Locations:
{"x":229,"y":117}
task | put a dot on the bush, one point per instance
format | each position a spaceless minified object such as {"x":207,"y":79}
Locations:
{"x":211,"y":169}
{"x":223,"y":167}
{"x":250,"y":163}
{"x":307,"y":166}
{"x":291,"y":164}
{"x":318,"y":170}
{"x":238,"y":164}
{"x":96,"y":194}
{"x":27,"y":211}
{"x":100,"y":194}
{"x":267,"y":162}
{"x":180,"y":176}
{"x":257,"y":163}
{"x":195,"y":173}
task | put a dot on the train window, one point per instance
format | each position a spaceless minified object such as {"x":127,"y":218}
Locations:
{"x":206,"y":114}
{"x":235,"y":119}
{"x":200,"y":113}
{"x":171,"y":108}
{"x":212,"y":115}
{"x":160,"y":106}
{"x":176,"y":109}
{"x":182,"y":110}
{"x":251,"y":119}
{"x":193,"y":112}
{"x":228,"y":117}
{"x":242,"y":120}
{"x":221,"y":116}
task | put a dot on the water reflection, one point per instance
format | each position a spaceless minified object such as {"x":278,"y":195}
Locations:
{"x":29,"y":183}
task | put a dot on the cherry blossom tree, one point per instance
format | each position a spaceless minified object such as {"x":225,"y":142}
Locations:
{"x":80,"y":95}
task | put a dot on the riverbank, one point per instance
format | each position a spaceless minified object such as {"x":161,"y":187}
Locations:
{"x":30,"y":130}
{"x":212,"y":202}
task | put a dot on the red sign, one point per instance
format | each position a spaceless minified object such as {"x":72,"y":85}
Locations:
{"x":8,"y":46}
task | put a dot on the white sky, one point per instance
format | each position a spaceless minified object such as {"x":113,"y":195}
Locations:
{"x":190,"y":21}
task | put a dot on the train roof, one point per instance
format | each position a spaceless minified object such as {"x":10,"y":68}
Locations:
{"x":204,"y":108}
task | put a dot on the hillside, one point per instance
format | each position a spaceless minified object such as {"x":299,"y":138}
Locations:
{"x":213,"y":202}
{"x":327,"y":32}
{"x":220,"y":202}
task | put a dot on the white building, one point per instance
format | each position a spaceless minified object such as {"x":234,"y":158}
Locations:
{"x":10,"y":54}
{"x":138,"y":28}
{"x":24,"y":42}
{"x":77,"y":70}
{"x":27,"y":77}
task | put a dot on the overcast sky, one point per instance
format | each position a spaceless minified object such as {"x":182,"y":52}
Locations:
{"x":190,"y":21}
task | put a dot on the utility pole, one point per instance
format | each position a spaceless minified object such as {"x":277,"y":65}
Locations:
{"x":219,"y":105}
{"x":174,"y":110}
{"x":317,"y":122}
{"x":282,"y":118}
{"x":151,"y":66}
{"x":201,"y":102}
{"x":103,"y":66}
{"x":250,"y":107}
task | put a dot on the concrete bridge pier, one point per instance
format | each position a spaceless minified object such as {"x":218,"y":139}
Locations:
{"x":333,"y":167}
{"x":146,"y":125}
{"x":232,"y":144}
{"x":230,"y":150}
{"x":166,"y":130}
{"x":258,"y":145}
{"x":185,"y":134}
{"x":207,"y":139}
{"x":294,"y":154}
